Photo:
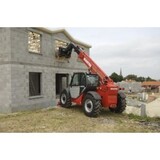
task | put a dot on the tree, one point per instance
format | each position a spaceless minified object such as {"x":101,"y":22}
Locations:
{"x":149,"y":79}
{"x":140,"y":79}
{"x":115,"y":77}
{"x":118,"y":78}
{"x":131,"y":76}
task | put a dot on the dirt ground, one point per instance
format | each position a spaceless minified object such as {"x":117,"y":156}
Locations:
{"x":73,"y":120}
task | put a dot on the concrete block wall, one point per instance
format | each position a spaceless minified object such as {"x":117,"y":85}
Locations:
{"x":5,"y":70}
{"x":5,"y":88}
{"x":20,"y":88}
{"x":73,"y":61}
{"x":20,"y":53}
{"x":16,"y":62}
{"x":19,"y":39}
{"x":5,"y":45}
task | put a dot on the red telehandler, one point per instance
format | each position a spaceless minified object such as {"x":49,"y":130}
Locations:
{"x":92,"y":90}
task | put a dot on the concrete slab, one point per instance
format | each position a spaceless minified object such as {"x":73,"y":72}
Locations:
{"x":152,"y":109}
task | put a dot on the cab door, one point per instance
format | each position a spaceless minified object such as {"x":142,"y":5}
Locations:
{"x":78,"y":84}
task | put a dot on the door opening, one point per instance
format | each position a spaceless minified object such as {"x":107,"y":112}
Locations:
{"x":61,"y":83}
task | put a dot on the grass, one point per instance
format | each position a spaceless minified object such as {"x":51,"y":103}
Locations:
{"x":146,"y":119}
{"x":73,"y":120}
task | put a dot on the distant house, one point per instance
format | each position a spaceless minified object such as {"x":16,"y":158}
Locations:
{"x":151,"y":86}
{"x":32,"y":75}
{"x":130,"y":86}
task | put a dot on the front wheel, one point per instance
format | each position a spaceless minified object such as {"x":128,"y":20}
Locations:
{"x":65,"y":99}
{"x":91,"y":106}
{"x":121,"y":104}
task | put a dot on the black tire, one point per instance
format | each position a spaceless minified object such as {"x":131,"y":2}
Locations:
{"x":91,"y":106}
{"x":65,"y":99}
{"x":121,"y":105}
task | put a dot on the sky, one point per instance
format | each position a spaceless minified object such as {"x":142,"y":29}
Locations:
{"x":134,"y":50}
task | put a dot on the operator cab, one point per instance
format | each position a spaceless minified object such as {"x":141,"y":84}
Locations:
{"x":83,"y":82}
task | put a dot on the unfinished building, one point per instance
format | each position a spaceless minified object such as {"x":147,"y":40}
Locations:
{"x":32,"y":75}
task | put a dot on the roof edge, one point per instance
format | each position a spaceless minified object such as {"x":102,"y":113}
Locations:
{"x":66,"y":33}
{"x":151,"y":83}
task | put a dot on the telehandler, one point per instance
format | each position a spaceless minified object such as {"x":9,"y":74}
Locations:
{"x":92,"y":90}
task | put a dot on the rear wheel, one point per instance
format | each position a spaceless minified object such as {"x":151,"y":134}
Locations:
{"x":121,"y":105}
{"x":65,"y":99}
{"x":91,"y":106}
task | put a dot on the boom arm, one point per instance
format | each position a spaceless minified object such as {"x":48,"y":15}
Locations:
{"x":92,"y":66}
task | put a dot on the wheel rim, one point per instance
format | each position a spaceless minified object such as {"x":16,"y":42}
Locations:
{"x":63,"y":99}
{"x":88,"y":105}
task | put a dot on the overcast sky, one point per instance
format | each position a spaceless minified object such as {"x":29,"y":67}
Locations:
{"x":135,"y":50}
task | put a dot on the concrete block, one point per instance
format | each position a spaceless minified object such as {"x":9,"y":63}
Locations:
{"x":139,"y":110}
{"x":133,"y":110}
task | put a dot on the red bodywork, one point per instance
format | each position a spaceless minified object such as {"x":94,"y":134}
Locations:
{"x":107,"y":89}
